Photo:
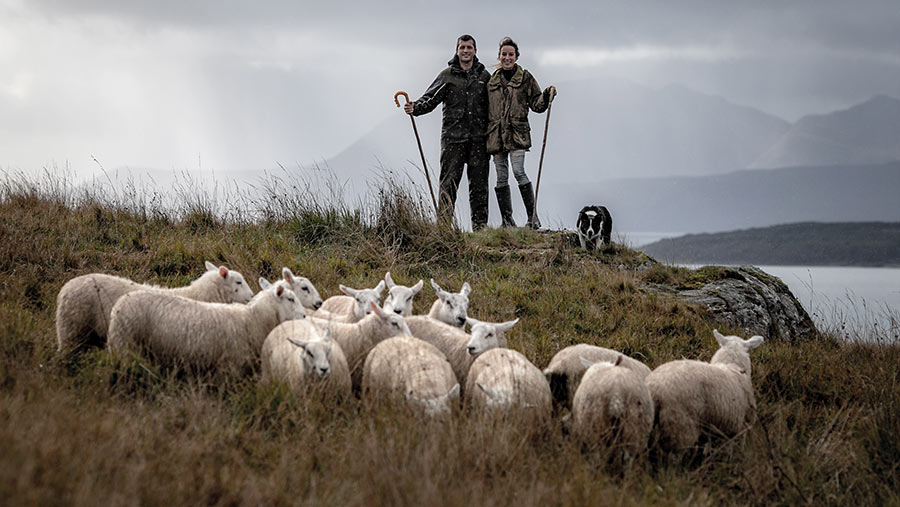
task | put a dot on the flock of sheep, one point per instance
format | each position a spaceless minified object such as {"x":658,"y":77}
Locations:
{"x":353,"y":343}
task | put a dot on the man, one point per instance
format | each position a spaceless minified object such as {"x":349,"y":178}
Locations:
{"x":462,"y":89}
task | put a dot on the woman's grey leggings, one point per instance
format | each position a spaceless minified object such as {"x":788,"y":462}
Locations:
{"x":503,"y":160}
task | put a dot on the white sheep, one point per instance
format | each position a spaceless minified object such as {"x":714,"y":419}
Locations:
{"x":205,"y":336}
{"x":612,"y":408}
{"x":358,"y":338}
{"x":399,"y":298}
{"x":566,"y":368}
{"x":691,"y":397}
{"x":454,"y":342}
{"x":84,"y":303}
{"x":504,"y":380}
{"x":304,"y":289}
{"x":451,"y":308}
{"x":298,"y":353}
{"x":409,"y":371}
{"x":353,"y":306}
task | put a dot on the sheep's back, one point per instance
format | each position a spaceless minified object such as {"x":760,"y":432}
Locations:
{"x":405,"y":365}
{"x":613,"y":403}
{"x":695,"y":394}
{"x":451,"y":341}
{"x":177,"y":330}
{"x":508,"y":371}
{"x":566,"y":369}
{"x":83,"y":308}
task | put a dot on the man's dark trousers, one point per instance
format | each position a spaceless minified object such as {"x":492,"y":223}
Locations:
{"x":473,"y":155}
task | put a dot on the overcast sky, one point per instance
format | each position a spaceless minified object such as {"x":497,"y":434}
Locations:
{"x":232,"y":85}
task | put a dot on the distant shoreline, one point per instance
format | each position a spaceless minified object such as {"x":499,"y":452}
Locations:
{"x":844,"y":244}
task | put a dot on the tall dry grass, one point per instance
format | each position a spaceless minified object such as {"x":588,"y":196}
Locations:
{"x":89,"y":430}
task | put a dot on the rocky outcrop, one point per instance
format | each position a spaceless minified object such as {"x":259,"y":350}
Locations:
{"x":749,"y":299}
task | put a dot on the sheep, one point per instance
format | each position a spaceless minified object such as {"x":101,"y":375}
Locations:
{"x":454,"y":342}
{"x":409,"y":371}
{"x":451,"y":308}
{"x":566,"y":369}
{"x":691,"y":397}
{"x":612,"y":407}
{"x":176,"y":331}
{"x":304,"y":289}
{"x":352,"y":307}
{"x":297,"y":352}
{"x":84,"y":303}
{"x":504,"y":380}
{"x":400,"y":297}
{"x":357,"y":339}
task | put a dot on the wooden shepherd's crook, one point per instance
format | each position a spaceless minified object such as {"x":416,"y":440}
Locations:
{"x":537,"y":187}
{"x":419,"y":143}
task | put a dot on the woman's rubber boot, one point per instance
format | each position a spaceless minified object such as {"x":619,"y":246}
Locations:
{"x":527,"y":192}
{"x":504,"y":200}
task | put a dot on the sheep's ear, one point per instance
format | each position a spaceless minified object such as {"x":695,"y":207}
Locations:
{"x":470,"y":321}
{"x":466,"y":289}
{"x":585,"y":362}
{"x":287,"y":275}
{"x":279,"y":291}
{"x":389,"y":280}
{"x":436,"y":287}
{"x":753,"y":342}
{"x":722,"y":339}
{"x":297,"y":342}
{"x":210,"y":266}
{"x":347,"y":290}
{"x":223,"y":271}
{"x":263,"y":283}
{"x":454,"y":392}
{"x":375,"y":308}
{"x":504,"y":326}
{"x":417,"y":287}
{"x":379,"y":288}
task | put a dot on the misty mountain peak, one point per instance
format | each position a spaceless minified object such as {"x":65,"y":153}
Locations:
{"x":866,"y":133}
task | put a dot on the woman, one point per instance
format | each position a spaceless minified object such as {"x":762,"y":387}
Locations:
{"x":512,"y":91}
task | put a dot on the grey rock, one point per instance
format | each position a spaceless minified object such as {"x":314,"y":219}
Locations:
{"x":755,"y":302}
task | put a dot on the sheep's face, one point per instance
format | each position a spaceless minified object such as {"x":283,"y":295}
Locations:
{"x":392,"y":324}
{"x":487,"y":336}
{"x":364,"y":298}
{"x":400,"y":299}
{"x":232,"y":285}
{"x":454,"y":308}
{"x":288,"y":306}
{"x":304,"y":289}
{"x":316,"y":356}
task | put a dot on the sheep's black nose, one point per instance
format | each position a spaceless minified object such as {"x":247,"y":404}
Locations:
{"x":398,"y":312}
{"x":461,"y":320}
{"x":317,"y":305}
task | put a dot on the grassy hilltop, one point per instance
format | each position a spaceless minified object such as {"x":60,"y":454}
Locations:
{"x":90,"y":431}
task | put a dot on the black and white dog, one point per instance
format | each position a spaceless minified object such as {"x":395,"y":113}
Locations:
{"x":594,"y":227}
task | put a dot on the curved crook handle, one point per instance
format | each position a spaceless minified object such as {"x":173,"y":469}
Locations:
{"x":397,"y":100}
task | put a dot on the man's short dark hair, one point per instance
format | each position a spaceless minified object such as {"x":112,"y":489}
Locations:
{"x":466,"y":37}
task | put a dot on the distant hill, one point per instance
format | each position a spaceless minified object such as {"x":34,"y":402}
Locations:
{"x":738,"y":200}
{"x":603,"y":128}
{"x":825,"y":244}
{"x":867,"y":133}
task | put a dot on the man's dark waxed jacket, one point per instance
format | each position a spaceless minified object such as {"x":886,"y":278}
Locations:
{"x":464,"y":95}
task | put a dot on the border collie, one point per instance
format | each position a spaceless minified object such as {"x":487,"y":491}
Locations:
{"x":594,"y":227}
